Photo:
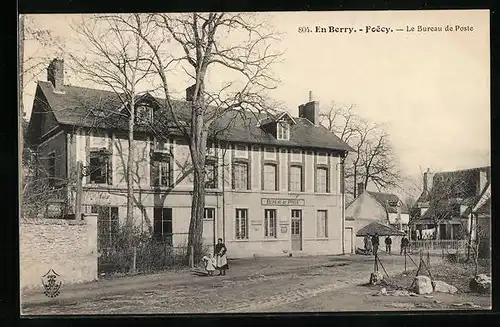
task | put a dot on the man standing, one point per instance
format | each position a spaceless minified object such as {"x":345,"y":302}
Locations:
{"x":365,"y":241}
{"x":404,"y":245}
{"x":388,"y":243}
{"x":375,"y":243}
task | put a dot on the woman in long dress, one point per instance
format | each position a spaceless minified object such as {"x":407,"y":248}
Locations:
{"x":220,"y":252}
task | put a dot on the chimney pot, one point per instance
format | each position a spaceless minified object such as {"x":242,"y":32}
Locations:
{"x":310,"y":96}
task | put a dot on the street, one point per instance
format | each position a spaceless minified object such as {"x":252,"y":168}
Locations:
{"x":251,"y":285}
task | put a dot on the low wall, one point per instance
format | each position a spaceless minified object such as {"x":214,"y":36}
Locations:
{"x":69,"y":247}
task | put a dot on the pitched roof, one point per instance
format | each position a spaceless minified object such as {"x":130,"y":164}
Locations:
{"x":79,"y":106}
{"x":485,"y":208}
{"x":380,"y":229}
{"x":385,"y":198}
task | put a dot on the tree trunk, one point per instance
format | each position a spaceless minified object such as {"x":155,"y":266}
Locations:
{"x":197,"y":147}
{"x":197,"y":211}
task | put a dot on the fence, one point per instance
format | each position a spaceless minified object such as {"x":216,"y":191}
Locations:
{"x":430,"y":245}
{"x":147,"y":257}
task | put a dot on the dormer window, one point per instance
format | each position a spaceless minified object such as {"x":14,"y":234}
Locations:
{"x":283,"y":131}
{"x":143,"y":115}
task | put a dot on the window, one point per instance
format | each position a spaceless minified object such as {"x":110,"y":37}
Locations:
{"x":322,"y":180}
{"x":240,"y":176}
{"x":241,"y":224}
{"x":296,"y":179}
{"x":107,"y":225}
{"x":210,"y":174}
{"x":270,"y":223}
{"x":322,"y":224}
{"x":143,"y":115}
{"x":161,"y":170}
{"x":209,"y":213}
{"x":162,"y":229}
{"x":270,"y":180}
{"x":52,"y":169}
{"x":283,"y":131}
{"x":100,"y":167}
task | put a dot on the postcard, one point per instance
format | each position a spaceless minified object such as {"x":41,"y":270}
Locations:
{"x":254,"y":162}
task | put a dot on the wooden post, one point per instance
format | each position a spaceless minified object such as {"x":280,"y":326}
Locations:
{"x":428,"y":259}
{"x":79,"y":191}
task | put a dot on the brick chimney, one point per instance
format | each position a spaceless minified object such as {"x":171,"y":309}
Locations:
{"x":428,"y":177}
{"x":55,"y":74}
{"x":190,"y":92}
{"x":310,"y":110}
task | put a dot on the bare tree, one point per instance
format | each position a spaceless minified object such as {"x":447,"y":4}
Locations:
{"x":205,"y":48}
{"x":450,"y":194}
{"x":116,"y":58}
{"x":373,"y":160}
{"x":378,"y":162}
{"x":37,"y":186}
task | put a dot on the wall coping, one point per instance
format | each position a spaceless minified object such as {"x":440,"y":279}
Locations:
{"x":47,"y":221}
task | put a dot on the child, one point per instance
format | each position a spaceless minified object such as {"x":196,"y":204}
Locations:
{"x":210,"y":264}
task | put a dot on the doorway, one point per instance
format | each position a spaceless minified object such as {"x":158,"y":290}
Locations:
{"x":296,"y":230}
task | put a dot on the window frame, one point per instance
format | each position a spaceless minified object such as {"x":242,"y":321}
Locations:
{"x":301,"y":180}
{"x":206,"y":210}
{"x":106,"y":178}
{"x":163,"y":236}
{"x":316,"y":176}
{"x":242,"y":164}
{"x":157,"y":172}
{"x":283,"y":131}
{"x":264,"y":184}
{"x":149,"y":114}
{"x":211,"y":162}
{"x":270,"y":223}
{"x":241,"y":224}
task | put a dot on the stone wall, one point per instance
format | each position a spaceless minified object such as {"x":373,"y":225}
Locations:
{"x":69,"y":247}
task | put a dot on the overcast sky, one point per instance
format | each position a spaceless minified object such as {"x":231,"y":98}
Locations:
{"x":431,"y":89}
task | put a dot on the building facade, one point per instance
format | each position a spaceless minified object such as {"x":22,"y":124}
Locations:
{"x":369,"y":207}
{"x":445,"y":207}
{"x":273,"y":184}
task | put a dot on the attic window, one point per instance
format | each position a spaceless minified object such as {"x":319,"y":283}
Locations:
{"x":143,"y":115}
{"x":283,"y":131}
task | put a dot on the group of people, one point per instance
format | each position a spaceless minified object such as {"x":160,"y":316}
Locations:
{"x":372,"y":243}
{"x":217,"y":262}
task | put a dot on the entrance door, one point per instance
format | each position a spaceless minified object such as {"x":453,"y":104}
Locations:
{"x":296,"y":230}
